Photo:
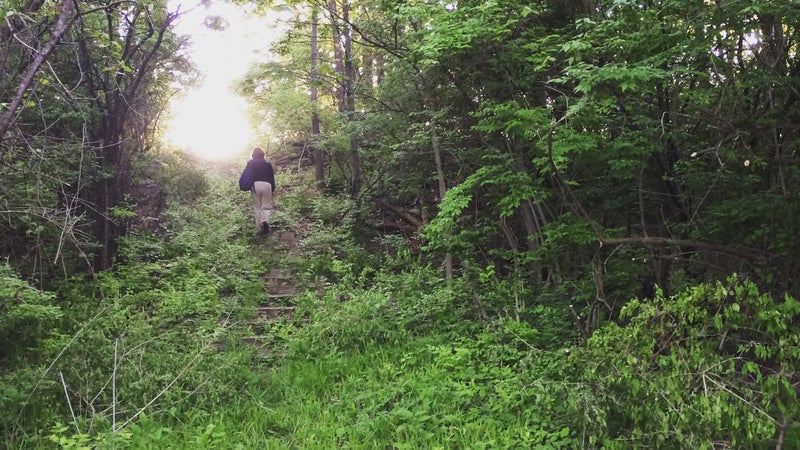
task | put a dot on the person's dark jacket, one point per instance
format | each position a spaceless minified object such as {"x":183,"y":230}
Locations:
{"x":261,"y":170}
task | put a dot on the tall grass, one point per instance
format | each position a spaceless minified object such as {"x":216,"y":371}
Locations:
{"x":390,"y":356}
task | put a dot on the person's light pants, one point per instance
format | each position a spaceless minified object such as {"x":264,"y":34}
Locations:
{"x":262,"y":202}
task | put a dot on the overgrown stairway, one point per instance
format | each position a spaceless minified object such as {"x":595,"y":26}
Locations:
{"x":280,"y":286}
{"x":280,"y":292}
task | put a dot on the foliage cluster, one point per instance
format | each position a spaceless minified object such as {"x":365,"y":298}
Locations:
{"x":717,"y":363}
{"x":150,"y":354}
{"x":596,"y":149}
{"x":83,"y":84}
{"x":591,"y":174}
{"x":96,"y":354}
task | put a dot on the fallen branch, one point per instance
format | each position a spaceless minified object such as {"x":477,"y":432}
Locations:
{"x":732,"y":250}
{"x":396,"y":226}
{"x":399,"y":212}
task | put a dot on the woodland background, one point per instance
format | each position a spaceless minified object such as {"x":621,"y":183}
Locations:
{"x":541,"y":224}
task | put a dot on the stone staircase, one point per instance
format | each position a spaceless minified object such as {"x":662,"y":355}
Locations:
{"x":281,"y":290}
{"x":278,"y":306}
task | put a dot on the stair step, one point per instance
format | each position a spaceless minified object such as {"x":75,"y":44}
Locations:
{"x":279,"y":283}
{"x":276,"y":275}
{"x":271,"y":312}
{"x":287,"y":238}
{"x":255,"y":341}
{"x":281,"y":291}
{"x":259,"y":343}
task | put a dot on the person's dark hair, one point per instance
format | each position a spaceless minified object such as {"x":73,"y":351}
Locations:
{"x":258,"y":153}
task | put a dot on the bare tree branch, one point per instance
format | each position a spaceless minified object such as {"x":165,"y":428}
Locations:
{"x":737,"y":251}
{"x":59,"y":29}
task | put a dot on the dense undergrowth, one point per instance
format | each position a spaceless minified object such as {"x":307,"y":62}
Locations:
{"x":149,"y":355}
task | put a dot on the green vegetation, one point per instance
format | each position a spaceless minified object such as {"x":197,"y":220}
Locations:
{"x":387,"y":356}
{"x":516,"y":224}
{"x":151,"y":354}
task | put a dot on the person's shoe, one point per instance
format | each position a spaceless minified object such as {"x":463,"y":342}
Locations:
{"x":264,"y":228}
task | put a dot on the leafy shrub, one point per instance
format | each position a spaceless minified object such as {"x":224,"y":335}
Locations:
{"x":27,"y":315}
{"x":717,"y":364}
{"x":182,"y":178}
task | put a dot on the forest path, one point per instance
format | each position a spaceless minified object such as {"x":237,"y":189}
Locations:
{"x":280,"y":253}
{"x":278,"y":305}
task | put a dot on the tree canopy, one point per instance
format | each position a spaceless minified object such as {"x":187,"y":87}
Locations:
{"x":648,"y":142}
{"x":621,"y":166}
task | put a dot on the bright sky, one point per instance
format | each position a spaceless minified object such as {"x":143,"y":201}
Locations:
{"x":210,"y":120}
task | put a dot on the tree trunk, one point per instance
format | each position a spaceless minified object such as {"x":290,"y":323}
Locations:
{"x":430,"y":104}
{"x":117,"y":96}
{"x":533,"y":234}
{"x":379,"y":71}
{"x":350,"y":103}
{"x":319,"y":157}
{"x":338,"y":58}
